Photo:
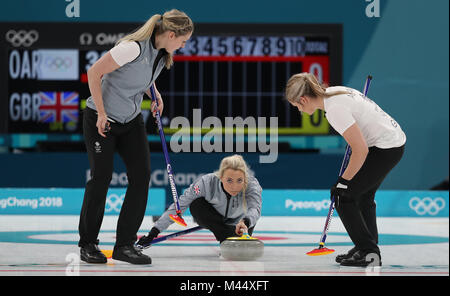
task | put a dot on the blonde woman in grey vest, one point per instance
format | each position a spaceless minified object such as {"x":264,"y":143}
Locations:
{"x":226,"y":202}
{"x":113,"y":122}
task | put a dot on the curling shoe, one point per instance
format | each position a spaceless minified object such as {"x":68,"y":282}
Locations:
{"x":363,"y":259}
{"x":90,"y":253}
{"x":348,"y":255}
{"x":130,"y":254}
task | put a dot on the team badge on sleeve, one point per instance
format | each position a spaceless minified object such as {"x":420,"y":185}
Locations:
{"x":197,"y":189}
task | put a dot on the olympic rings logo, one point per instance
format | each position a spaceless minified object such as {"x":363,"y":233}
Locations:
{"x":427,"y":205}
{"x":114,"y":203}
{"x":58,"y":63}
{"x":22,"y":37}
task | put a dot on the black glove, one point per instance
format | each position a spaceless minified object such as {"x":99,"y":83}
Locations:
{"x":341,"y":191}
{"x":145,"y":241}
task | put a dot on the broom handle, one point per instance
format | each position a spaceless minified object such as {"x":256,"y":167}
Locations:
{"x":170,"y":236}
{"x":348,"y":152}
{"x":166,"y":154}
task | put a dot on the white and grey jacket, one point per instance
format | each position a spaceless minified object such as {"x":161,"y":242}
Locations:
{"x":233,"y":208}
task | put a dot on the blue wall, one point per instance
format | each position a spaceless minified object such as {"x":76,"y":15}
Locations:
{"x":406,"y":50}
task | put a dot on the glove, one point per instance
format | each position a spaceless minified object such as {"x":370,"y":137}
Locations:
{"x":341,"y":191}
{"x":145,"y":241}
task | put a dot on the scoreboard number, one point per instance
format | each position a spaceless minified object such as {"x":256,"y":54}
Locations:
{"x":91,"y":57}
{"x":252,"y":46}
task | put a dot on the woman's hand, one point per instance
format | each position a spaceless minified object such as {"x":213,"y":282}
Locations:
{"x":241,"y":228}
{"x":145,"y":241}
{"x":102,"y":124}
{"x":160,"y":106}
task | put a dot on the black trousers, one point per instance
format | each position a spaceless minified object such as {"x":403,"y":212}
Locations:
{"x":359,"y":215}
{"x":206,"y":216}
{"x":130,"y":141}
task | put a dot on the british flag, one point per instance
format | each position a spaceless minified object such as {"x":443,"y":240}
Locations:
{"x":58,"y":107}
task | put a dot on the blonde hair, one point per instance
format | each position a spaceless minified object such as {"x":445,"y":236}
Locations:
{"x":306,"y":84}
{"x":172,"y":20}
{"x":235,"y":162}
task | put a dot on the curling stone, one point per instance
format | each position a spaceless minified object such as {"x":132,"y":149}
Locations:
{"x":243,"y":248}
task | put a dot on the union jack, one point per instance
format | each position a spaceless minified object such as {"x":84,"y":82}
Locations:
{"x":197,"y":189}
{"x":58,"y":106}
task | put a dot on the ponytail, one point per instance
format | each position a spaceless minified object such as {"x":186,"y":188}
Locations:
{"x":306,"y":84}
{"x":173,"y":20}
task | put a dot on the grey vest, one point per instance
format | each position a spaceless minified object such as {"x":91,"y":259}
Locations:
{"x":123,"y":89}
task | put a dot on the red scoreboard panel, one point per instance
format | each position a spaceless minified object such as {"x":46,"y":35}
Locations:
{"x":226,"y":70}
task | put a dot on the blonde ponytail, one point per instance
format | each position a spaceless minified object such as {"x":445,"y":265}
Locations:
{"x":144,"y":32}
{"x":173,"y":20}
{"x":306,"y":84}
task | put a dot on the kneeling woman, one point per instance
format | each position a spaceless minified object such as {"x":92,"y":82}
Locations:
{"x":225,"y":202}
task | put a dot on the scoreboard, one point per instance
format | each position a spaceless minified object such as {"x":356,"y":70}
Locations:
{"x":225,"y":70}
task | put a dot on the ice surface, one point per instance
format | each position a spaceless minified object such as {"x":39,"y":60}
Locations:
{"x":47,"y":245}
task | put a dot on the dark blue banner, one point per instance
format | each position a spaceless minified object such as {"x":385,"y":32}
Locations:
{"x":290,"y":171}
